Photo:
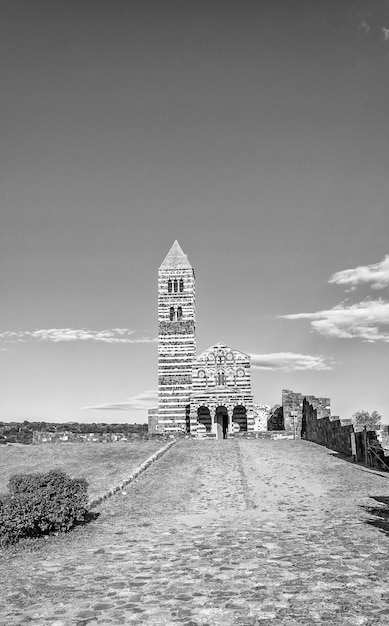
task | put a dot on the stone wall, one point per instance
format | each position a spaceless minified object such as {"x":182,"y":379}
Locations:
{"x":153,"y":425}
{"x":372,"y":447}
{"x":327,"y":430}
{"x":292,"y":405}
{"x":276,"y":419}
{"x":383,"y":436}
{"x":42,"y":436}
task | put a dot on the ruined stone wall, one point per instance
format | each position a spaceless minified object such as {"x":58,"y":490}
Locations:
{"x":276,"y":419}
{"x":383,"y":436}
{"x":292,"y":405}
{"x":42,"y":436}
{"x":372,"y":447}
{"x":329,"y":431}
{"x":152,"y":425}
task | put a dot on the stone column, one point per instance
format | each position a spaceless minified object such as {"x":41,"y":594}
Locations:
{"x":212,"y":410}
{"x":230,"y":411}
{"x":250,"y":419}
{"x":193,"y":419}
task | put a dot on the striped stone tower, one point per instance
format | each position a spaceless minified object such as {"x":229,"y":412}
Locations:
{"x":176,"y":339}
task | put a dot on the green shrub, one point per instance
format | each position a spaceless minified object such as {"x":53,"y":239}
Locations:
{"x":41,"y":503}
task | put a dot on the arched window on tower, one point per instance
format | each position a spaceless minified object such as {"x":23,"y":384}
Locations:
{"x":169,"y":286}
{"x":181,"y":285}
{"x":175,"y":285}
{"x":179,"y":313}
{"x":172,"y":313}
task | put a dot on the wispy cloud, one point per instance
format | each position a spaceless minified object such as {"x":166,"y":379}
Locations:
{"x":289,"y":362}
{"x":365,"y":320}
{"x":376,"y":274}
{"x":142,"y":401}
{"x":113,"y":335}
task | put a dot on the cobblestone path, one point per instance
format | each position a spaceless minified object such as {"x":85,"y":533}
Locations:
{"x":217,"y":533}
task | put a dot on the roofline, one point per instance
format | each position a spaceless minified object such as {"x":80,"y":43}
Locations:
{"x":227,"y":346}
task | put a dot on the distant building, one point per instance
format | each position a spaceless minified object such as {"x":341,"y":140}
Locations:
{"x":205,"y":395}
{"x":261,"y":416}
{"x":153,"y":427}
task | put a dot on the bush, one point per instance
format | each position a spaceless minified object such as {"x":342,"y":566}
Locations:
{"x":40,"y":504}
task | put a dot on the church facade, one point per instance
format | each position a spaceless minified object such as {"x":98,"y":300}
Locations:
{"x":206,"y":395}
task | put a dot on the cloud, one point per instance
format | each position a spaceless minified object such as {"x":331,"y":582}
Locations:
{"x":142,"y":401}
{"x":289,"y":361}
{"x":377,"y":274}
{"x":114,"y":335}
{"x":363,"y":320}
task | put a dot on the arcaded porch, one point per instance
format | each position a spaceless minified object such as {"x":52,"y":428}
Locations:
{"x":221,"y":421}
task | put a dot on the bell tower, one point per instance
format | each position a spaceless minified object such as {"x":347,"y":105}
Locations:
{"x":176,"y":339}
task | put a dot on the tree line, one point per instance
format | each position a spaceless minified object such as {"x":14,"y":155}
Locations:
{"x":21,"y":432}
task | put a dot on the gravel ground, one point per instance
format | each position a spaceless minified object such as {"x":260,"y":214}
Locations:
{"x":215,"y":533}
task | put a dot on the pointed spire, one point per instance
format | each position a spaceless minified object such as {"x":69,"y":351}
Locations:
{"x":175,"y":258}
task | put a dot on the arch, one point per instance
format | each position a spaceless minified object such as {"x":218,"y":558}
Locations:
{"x":204,"y":417}
{"x":239,"y":416}
{"x":179,"y":313}
{"x":169,"y":286}
{"x":221,"y":421}
{"x":181,"y":285}
{"x":172,"y":315}
{"x":175,"y":285}
{"x":220,"y":356}
{"x":211,"y":377}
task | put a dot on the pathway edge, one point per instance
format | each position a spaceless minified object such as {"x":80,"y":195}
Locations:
{"x":138,"y":470}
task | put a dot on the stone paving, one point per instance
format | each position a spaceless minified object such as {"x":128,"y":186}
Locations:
{"x":215,"y":533}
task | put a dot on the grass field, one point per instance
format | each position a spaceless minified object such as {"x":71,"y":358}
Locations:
{"x":104,"y":465}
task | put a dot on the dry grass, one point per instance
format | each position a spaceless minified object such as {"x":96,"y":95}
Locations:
{"x":104,"y":465}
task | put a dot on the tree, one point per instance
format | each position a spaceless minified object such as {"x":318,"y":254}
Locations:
{"x":365,"y":419}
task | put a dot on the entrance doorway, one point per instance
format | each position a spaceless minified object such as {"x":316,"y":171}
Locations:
{"x":221,"y":421}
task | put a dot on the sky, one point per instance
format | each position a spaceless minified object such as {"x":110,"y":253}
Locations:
{"x":255,"y":133}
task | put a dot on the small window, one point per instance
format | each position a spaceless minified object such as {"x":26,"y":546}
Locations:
{"x":181,"y":285}
{"x":172,"y":313}
{"x":221,"y":378}
{"x":179,"y":313}
{"x":169,"y":286}
{"x":175,"y":285}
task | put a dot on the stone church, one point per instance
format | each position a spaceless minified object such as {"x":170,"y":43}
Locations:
{"x":206,"y":395}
